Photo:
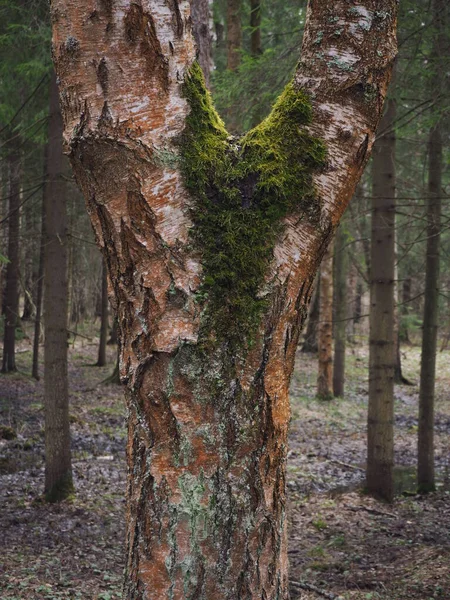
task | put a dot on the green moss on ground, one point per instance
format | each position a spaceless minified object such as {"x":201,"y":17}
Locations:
{"x":243,"y":188}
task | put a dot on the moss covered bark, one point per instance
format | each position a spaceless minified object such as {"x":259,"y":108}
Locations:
{"x":242,"y":189}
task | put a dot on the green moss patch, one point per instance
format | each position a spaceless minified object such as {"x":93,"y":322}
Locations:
{"x":242,"y":189}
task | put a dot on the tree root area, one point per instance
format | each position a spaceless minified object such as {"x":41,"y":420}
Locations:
{"x":342,"y":544}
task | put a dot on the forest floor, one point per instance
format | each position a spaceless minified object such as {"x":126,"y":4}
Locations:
{"x":342,"y":542}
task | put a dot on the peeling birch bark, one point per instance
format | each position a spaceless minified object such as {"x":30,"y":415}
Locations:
{"x":207,"y":427}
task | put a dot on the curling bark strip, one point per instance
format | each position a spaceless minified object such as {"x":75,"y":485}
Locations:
{"x":209,"y":412}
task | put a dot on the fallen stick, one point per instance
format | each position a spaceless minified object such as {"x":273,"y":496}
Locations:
{"x":347,"y":465}
{"x":373,"y":511}
{"x":312,"y":588}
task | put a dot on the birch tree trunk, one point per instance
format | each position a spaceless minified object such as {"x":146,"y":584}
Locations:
{"x":212,"y":247}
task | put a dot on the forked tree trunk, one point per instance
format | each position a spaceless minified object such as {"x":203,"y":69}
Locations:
{"x":209,"y":309}
{"x":234,"y":34}
{"x":325,"y":330}
{"x":340,"y":312}
{"x":58,"y":467}
{"x":101,"y":361}
{"x":11,"y":304}
{"x":380,"y":429}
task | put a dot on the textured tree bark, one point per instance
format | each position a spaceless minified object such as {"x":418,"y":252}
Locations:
{"x":207,"y":420}
{"x":11,"y":303}
{"x":101,"y":361}
{"x":58,"y":467}
{"x":255,"y":25}
{"x":200,"y":12}
{"x":325,"y":330}
{"x":380,"y":429}
{"x":340,"y":325}
{"x":234,"y":34}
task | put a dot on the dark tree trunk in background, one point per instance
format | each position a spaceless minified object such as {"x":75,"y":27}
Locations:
{"x":234,"y":34}
{"x":255,"y":26}
{"x":200,"y":14}
{"x":101,"y":362}
{"x":40,"y":280}
{"x":27,"y":271}
{"x":439,"y":84}
{"x":426,"y":476}
{"x":113,"y":334}
{"x":11,"y":298}
{"x":380,"y":429}
{"x":312,"y":325}
{"x":325,"y":330}
{"x":406,"y":309}
{"x":58,"y":467}
{"x":340,"y":312}
{"x":352,"y":283}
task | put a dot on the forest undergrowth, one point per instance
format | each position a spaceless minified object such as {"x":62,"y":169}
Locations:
{"x":342,"y":542}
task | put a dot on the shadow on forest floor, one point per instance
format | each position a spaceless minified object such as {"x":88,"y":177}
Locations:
{"x":340,"y":540}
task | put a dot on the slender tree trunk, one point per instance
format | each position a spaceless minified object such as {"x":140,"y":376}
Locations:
{"x":40,"y":280}
{"x":380,"y":429}
{"x":255,"y":25}
{"x":351,"y":302}
{"x":101,"y":362}
{"x":58,"y":467}
{"x":234,"y":34}
{"x":325,"y":339}
{"x":11,"y":304}
{"x":439,"y":85}
{"x":406,"y":309}
{"x":27,"y":273}
{"x":340,"y":312}
{"x":209,"y":411}
{"x":200,"y":12}
{"x":312,"y":323}
{"x":398,"y":373}
{"x":426,"y":476}
{"x":113,"y":337}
